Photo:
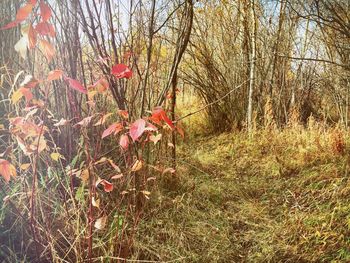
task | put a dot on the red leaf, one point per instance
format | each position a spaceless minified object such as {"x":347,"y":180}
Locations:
{"x":121,"y":71}
{"x":107,"y":186}
{"x":113,"y":128}
{"x":74,"y":84}
{"x":27,"y":93}
{"x":24,"y":12}
{"x":45,"y":11}
{"x":10,"y":25}
{"x":7,"y":170}
{"x":33,"y":2}
{"x":109,"y":130}
{"x":124,"y":141}
{"x":54,"y":74}
{"x":137,"y":129}
{"x":45,"y":29}
{"x":159,"y":115}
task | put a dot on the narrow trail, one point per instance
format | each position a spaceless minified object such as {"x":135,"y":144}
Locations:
{"x":243,"y":201}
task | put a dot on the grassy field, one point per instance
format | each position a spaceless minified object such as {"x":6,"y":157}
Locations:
{"x":274,"y":197}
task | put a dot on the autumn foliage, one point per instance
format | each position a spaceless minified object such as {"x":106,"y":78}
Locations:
{"x":33,"y":133}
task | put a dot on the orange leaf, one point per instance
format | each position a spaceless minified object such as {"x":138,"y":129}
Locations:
{"x":7,"y":170}
{"x":158,"y":115}
{"x":24,"y":12}
{"x":48,"y":49}
{"x":54,"y":74}
{"x":124,"y":114}
{"x":101,"y":85}
{"x":45,"y":11}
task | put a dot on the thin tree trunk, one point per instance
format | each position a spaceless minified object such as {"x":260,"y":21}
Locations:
{"x":252,"y":68}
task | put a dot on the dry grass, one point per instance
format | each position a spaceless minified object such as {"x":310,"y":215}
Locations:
{"x":277,"y":197}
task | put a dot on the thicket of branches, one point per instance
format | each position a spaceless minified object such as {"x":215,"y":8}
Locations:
{"x":88,"y":103}
{"x":291,"y":54}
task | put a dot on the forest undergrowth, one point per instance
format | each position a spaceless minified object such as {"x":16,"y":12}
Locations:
{"x":272,"y":196}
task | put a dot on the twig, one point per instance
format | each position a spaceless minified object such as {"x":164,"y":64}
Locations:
{"x":346,"y":66}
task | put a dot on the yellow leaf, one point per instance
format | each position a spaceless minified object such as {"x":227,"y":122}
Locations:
{"x":16,"y":96}
{"x":85,"y":175}
{"x":25,"y":166}
{"x":146,"y":194}
{"x":95,"y":202}
{"x":102,"y":160}
{"x":136,"y":166}
{"x":55,"y":156}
